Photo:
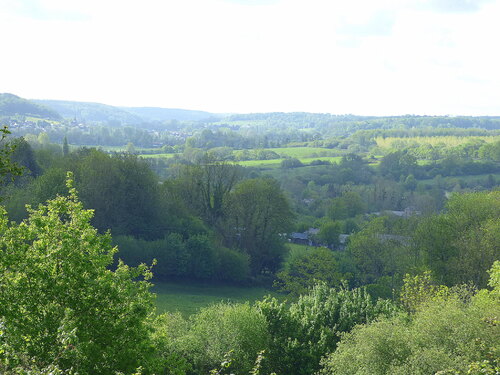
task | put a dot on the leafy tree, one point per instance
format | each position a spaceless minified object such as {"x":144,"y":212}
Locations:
{"x":258,"y":213}
{"x":308,"y":329}
{"x":65,"y":146}
{"x":329,"y":233}
{"x":60,"y":304}
{"x":397,"y":164}
{"x":307,"y":269}
{"x":337,"y":209}
{"x":376,"y":252}
{"x":7,"y":167}
{"x":124,"y":193}
{"x":130,"y":148}
{"x":24,"y":157}
{"x":291,"y":163}
{"x":410,"y":182}
{"x":460,"y":245}
{"x":354,"y":203}
{"x":447,"y":334}
{"x":221,"y":328}
{"x":206,"y":185}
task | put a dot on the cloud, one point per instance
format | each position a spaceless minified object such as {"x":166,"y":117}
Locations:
{"x":456,"y":6}
{"x":45,"y":10}
{"x":253,"y":2}
{"x":379,"y":24}
{"x":360,"y":56}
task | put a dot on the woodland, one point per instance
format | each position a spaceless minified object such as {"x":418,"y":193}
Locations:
{"x":377,"y":238}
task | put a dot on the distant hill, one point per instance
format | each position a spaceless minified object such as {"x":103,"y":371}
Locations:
{"x":92,"y":112}
{"x":11,"y":105}
{"x":97,"y":112}
{"x":166,"y":114}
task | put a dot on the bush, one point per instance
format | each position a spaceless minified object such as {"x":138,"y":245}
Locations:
{"x":196,"y":258}
{"x":446,"y":334}
{"x":221,"y":328}
{"x":291,"y":163}
{"x":60,"y":305}
{"x":309,"y":329}
{"x":306,"y":269}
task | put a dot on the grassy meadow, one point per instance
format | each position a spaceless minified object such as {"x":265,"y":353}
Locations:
{"x":305,"y":154}
{"x":157,"y":156}
{"x":187,"y":298}
{"x":275,"y":163}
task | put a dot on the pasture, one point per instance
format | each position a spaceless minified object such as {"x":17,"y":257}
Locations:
{"x":304,"y":152}
{"x":275,"y":163}
{"x":188,"y":297}
{"x":157,"y":156}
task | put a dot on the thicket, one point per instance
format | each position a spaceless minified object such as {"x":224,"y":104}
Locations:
{"x":196,"y":257}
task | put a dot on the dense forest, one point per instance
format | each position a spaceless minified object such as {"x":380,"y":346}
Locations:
{"x":379,"y":237}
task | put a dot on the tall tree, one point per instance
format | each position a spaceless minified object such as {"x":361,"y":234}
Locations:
{"x":206,"y":185}
{"x":258,"y":215}
{"x":65,"y":147}
{"x":462,"y":243}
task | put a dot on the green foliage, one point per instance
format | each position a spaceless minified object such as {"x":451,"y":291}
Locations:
{"x":65,"y":146}
{"x":225,"y":365}
{"x":7,"y":167}
{"x":59,"y":302}
{"x":291,"y":163}
{"x":188,"y":297}
{"x":348,"y":205}
{"x":258,"y":213}
{"x":302,"y":272}
{"x":309,"y":329}
{"x":197,"y":257}
{"x":446,"y":335}
{"x":11,"y":105}
{"x":398,"y":164}
{"x":167,"y":333}
{"x":376,"y":252}
{"x":209,"y":335}
{"x":418,"y":290}
{"x":205,"y":186}
{"x":24,"y":156}
{"x":218,"y":329}
{"x":123,"y":192}
{"x":460,"y":245}
{"x":329,"y":233}
{"x":490,"y":151}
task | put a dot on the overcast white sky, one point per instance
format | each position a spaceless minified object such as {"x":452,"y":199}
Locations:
{"x":367,"y":57}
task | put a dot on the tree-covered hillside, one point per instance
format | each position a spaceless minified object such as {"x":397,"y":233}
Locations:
{"x":167,"y":114}
{"x":116,"y":116}
{"x":11,"y":105}
{"x":92,"y":112}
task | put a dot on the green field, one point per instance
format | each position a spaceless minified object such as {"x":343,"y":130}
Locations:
{"x":303,"y":152}
{"x":275,"y":163}
{"x":124,"y":148}
{"x":156,"y":156}
{"x":189,"y":297}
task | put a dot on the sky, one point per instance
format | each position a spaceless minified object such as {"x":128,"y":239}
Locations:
{"x":364,"y":57}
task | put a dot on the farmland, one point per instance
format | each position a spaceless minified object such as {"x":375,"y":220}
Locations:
{"x":188,"y":297}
